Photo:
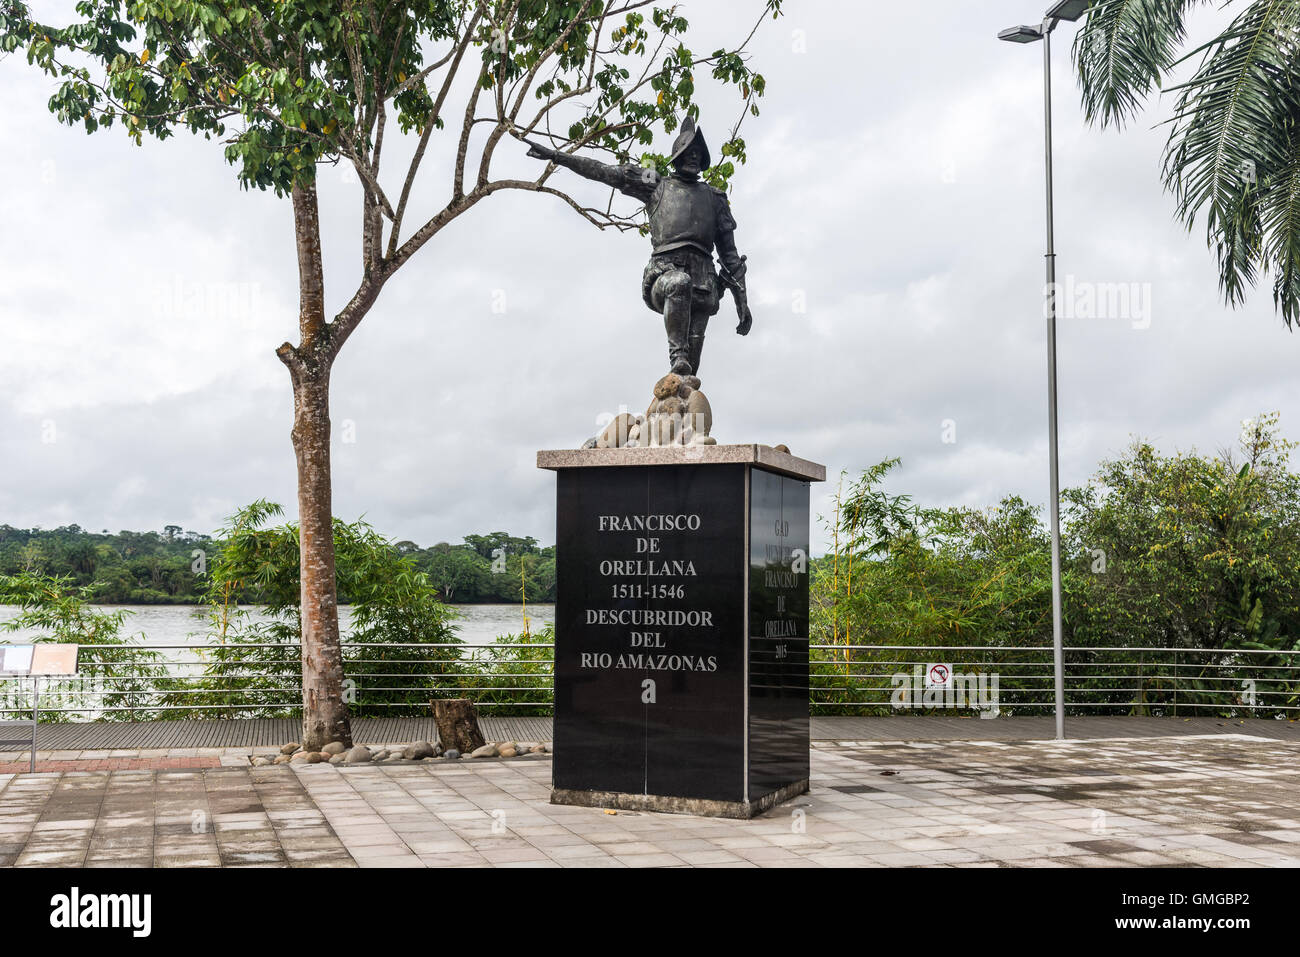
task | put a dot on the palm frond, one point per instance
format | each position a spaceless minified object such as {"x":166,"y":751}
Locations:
{"x":1230,"y":137}
{"x":1236,"y":241}
{"x":1279,"y":205}
{"x":1123,"y":51}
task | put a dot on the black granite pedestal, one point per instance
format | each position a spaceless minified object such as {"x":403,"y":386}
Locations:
{"x":681,"y":628}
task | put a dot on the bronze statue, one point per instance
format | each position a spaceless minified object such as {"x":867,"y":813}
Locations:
{"x":688,"y":219}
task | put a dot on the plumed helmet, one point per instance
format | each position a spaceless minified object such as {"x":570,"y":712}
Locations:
{"x":690,"y":134}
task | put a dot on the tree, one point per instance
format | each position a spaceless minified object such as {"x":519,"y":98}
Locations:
{"x":1181,"y":551}
{"x":456,"y":572}
{"x":1233,"y":152}
{"x":903,"y":574}
{"x":499,"y":544}
{"x":392,"y":603}
{"x":1188,"y":551}
{"x":288,"y":85}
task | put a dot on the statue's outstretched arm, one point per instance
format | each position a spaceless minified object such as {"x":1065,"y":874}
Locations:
{"x":633,"y":180}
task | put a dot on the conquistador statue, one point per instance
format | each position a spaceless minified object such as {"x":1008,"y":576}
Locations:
{"x":689,"y":219}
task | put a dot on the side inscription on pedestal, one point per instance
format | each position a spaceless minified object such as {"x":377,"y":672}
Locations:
{"x":778,"y":632}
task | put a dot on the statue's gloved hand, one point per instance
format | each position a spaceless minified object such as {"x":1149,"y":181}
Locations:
{"x":538,"y":151}
{"x":746,"y":320}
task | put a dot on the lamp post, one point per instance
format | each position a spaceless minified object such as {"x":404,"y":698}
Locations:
{"x":1070,"y":10}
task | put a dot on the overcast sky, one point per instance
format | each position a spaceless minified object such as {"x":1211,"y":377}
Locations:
{"x":892,"y":212}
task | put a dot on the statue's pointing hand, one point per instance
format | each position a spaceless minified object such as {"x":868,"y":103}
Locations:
{"x":538,"y":151}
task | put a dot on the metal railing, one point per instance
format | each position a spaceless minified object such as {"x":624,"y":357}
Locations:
{"x":144,"y":682}
{"x":1111,"y":679}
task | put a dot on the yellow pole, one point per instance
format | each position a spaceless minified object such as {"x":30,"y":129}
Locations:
{"x":523,"y":593}
{"x":835,"y":571}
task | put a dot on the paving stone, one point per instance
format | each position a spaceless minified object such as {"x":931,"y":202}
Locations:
{"x":1208,"y":801}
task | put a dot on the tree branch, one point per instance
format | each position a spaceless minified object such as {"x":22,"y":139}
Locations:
{"x":464,"y":43}
{"x":600,"y":218}
{"x":431,"y":229}
{"x":506,"y":123}
{"x":471,"y":109}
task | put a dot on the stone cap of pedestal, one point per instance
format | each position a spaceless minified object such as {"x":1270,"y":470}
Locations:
{"x":763,"y":456}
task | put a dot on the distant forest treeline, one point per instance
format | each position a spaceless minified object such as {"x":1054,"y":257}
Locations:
{"x":167,"y":567}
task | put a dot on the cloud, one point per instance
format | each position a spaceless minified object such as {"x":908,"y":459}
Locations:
{"x":892,"y":214}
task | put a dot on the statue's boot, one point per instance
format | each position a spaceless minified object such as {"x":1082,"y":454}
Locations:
{"x":698,"y":324}
{"x":691,"y":363}
{"x":677,"y":320}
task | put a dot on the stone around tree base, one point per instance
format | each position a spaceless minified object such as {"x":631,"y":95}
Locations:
{"x":419,"y":751}
{"x":677,"y":805}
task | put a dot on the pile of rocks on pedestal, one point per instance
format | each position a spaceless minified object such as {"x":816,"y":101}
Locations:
{"x":679,"y":414}
{"x":336,"y":753}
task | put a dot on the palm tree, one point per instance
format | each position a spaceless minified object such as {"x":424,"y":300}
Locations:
{"x":1234,"y":141}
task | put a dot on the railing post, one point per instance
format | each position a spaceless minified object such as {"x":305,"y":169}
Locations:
{"x":1175,"y":682}
{"x":36,"y":716}
{"x":1142,"y":683}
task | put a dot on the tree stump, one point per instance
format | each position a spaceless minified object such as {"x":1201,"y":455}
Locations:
{"x":457,"y":721}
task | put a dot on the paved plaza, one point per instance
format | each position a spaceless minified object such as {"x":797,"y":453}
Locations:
{"x":1211,"y":800}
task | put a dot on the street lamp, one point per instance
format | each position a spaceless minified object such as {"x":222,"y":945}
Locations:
{"x":1070,"y":10}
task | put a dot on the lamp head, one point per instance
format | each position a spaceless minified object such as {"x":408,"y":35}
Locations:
{"x":1069,"y":9}
{"x":1021,"y":34}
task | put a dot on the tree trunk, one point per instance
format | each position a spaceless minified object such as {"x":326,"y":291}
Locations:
{"x":324,"y":712}
{"x":457,"y":721}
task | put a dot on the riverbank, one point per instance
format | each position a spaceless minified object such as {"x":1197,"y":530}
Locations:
{"x":187,"y":624}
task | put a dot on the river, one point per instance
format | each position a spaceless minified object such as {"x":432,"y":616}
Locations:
{"x":186,"y":624}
